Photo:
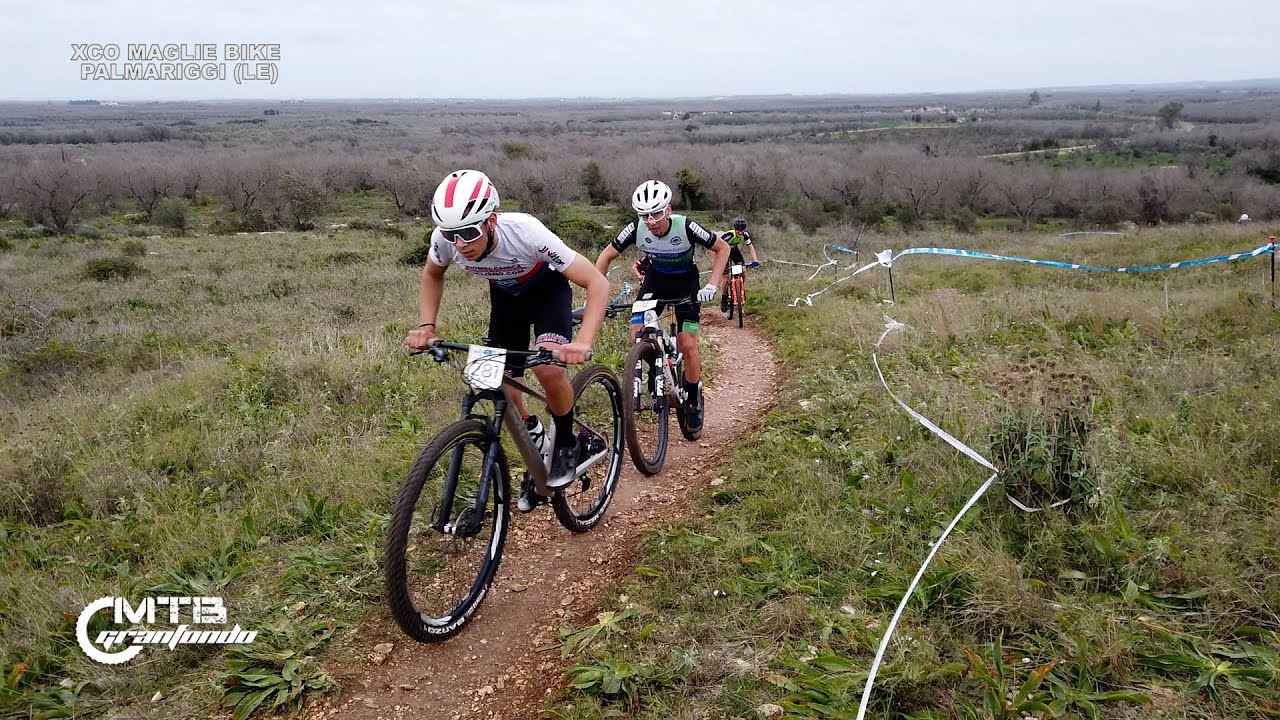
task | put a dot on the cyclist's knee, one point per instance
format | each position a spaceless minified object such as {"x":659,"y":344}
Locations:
{"x":686,"y":342}
{"x":548,"y":374}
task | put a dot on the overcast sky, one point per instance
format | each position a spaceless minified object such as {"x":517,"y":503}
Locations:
{"x":645,"y":48}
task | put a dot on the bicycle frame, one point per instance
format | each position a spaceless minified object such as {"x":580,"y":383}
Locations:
{"x":737,"y":283}
{"x":652,"y":331}
{"x":504,"y":415}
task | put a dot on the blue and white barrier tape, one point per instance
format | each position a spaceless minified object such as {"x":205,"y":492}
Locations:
{"x":885,"y":258}
{"x":1269,"y":247}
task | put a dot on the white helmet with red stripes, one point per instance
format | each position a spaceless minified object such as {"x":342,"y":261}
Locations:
{"x":466,"y":197}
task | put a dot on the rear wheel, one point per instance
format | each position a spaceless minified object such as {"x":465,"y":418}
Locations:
{"x":597,"y":411}
{"x":442,"y":552}
{"x":645,"y":408}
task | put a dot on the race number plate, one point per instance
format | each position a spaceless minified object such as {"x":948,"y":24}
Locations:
{"x":737,"y":270}
{"x":484,"y":367}
{"x":642,"y":305}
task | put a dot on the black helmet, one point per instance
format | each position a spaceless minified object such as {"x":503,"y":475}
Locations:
{"x":739,"y":223}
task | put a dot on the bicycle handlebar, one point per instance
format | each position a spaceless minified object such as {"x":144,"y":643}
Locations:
{"x":439,"y":351}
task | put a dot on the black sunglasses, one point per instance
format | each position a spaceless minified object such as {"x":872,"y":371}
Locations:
{"x":467,"y":234}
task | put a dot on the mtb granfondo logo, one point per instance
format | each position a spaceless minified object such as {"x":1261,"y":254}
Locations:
{"x":202,"y":610}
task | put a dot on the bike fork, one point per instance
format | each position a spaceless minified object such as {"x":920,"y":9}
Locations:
{"x":444,"y":521}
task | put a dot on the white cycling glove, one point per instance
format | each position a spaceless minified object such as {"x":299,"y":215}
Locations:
{"x":706,"y":293}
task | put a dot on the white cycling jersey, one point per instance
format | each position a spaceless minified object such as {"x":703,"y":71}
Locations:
{"x":524,"y":251}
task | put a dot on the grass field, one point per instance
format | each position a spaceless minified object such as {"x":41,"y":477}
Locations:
{"x":1145,"y":400}
{"x":232,"y":415}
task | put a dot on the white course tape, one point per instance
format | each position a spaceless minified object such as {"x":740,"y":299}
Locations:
{"x":1026,"y":509}
{"x":890,"y":326}
{"x":883,"y":259}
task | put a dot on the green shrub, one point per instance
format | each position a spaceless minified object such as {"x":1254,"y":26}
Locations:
{"x":593,"y":181}
{"x":346,"y":257}
{"x":689,"y":190}
{"x":965,"y":221}
{"x":172,"y":213}
{"x":516,"y":149}
{"x":807,"y":213}
{"x":579,"y":231}
{"x":416,"y":257}
{"x":5,"y":244}
{"x":121,"y":268}
{"x":133,"y":248}
{"x":1042,"y":453}
{"x":1108,"y":213}
{"x":305,"y":200}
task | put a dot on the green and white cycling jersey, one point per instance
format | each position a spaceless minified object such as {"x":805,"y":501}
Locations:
{"x":671,"y":253}
{"x":735,"y":238}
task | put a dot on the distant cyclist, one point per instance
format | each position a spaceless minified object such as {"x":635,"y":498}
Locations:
{"x":735,"y":237}
{"x":668,"y":241}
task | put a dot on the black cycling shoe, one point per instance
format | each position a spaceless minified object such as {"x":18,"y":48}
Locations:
{"x":529,"y":497}
{"x":724,"y":302}
{"x":693,"y":415}
{"x":564,"y":465}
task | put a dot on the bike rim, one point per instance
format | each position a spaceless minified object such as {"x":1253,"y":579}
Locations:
{"x":598,"y":411}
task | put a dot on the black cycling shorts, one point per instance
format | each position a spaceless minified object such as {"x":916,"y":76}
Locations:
{"x":547,"y":307}
{"x":735,"y":257}
{"x":675,"y":286}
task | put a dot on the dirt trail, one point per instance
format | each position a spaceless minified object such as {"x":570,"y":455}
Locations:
{"x":507,"y":662}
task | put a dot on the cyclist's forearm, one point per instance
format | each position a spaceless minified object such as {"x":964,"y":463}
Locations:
{"x":606,"y":258}
{"x":754,"y":256}
{"x":593,"y":316}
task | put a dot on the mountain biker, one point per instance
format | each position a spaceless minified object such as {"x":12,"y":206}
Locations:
{"x":735,"y":237}
{"x":529,"y":269}
{"x":668,"y":241}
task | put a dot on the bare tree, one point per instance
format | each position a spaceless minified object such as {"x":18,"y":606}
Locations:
{"x":918,"y":185}
{"x":148,"y":185}
{"x":55,"y":191}
{"x":539,"y":185}
{"x":1024,"y":193}
{"x":969,"y":186}
{"x":243,"y":184}
{"x":408,"y":186}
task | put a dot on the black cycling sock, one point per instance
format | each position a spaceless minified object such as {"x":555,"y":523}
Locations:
{"x":564,"y":428}
{"x":692,"y":388}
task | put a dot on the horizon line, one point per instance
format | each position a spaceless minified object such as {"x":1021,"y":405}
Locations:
{"x":632,"y":98}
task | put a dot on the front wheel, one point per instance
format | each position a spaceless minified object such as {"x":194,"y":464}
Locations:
{"x":598,"y":414}
{"x":645,"y":407}
{"x":447,"y":531}
{"x":740,"y":298}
